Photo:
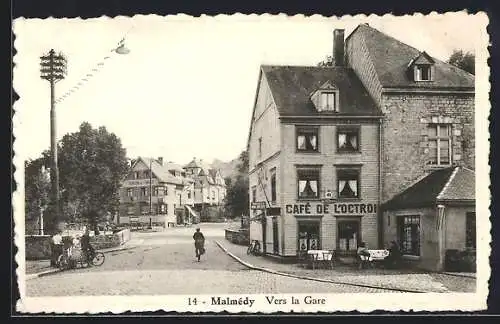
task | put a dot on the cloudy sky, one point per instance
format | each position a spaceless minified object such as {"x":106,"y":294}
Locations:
{"x":187,"y":87}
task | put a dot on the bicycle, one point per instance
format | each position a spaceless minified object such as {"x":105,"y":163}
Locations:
{"x":254,"y":248}
{"x":69,"y":260}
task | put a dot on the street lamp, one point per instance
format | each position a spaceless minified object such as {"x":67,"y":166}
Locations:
{"x":53,"y":68}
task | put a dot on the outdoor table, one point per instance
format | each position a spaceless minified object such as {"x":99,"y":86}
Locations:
{"x":321,"y":256}
{"x":375,"y":256}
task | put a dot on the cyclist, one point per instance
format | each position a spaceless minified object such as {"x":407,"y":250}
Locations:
{"x":87,"y":248}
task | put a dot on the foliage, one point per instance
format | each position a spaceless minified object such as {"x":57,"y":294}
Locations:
{"x":327,"y":62}
{"x":92,"y":163}
{"x":37,"y":191}
{"x":463,"y":60}
{"x":236,"y":202}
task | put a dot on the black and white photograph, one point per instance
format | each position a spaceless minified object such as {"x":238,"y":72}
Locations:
{"x":252,"y":163}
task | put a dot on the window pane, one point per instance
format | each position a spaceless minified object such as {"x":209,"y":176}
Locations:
{"x":444,"y":131}
{"x":444,"y":152}
{"x":347,"y":183}
{"x":432,"y":130}
{"x":308,"y":183}
{"x":433,"y":152}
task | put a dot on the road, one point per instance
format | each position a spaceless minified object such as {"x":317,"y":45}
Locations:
{"x":164,"y":263}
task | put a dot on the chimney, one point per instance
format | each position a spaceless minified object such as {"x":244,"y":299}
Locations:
{"x":338,"y":47}
{"x":160,"y":160}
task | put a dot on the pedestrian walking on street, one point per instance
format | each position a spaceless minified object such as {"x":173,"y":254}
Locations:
{"x":199,"y":243}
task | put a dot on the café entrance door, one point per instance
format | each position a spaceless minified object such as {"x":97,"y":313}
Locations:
{"x":275,"y":236}
{"x":348,"y":236}
{"x":309,"y":235}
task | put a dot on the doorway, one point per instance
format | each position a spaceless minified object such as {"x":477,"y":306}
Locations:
{"x":348,"y":236}
{"x":275,"y":236}
{"x":309,"y":235}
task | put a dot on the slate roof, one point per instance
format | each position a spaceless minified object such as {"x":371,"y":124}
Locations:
{"x":162,"y":172}
{"x":454,"y":184}
{"x":292,"y":87}
{"x":391,"y":57}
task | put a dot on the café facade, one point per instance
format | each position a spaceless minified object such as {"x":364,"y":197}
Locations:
{"x":328,"y":146}
{"x":313,"y":161}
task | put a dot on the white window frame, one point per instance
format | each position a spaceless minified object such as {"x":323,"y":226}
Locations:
{"x":418,"y":72}
{"x":438,"y":138}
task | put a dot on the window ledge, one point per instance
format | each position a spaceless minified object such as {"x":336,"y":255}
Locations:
{"x":307,"y":152}
{"x":411,"y":257}
{"x":308,"y":199}
{"x":341,"y":200}
{"x":348,"y":152}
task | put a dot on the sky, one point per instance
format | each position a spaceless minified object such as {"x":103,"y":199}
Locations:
{"x":187,"y":87}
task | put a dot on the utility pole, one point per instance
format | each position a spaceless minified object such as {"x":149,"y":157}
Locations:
{"x":150,"y":193}
{"x":53,"y":68}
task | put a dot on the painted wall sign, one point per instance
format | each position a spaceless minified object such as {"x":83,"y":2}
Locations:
{"x":336,"y":208}
{"x":142,"y":182}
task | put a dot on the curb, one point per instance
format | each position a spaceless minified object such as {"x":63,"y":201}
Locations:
{"x":41,"y":274}
{"x":251,"y":266}
{"x":459,"y":274}
{"x":117,"y":249}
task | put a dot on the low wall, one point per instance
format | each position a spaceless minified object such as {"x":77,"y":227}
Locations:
{"x":107,"y":241}
{"x":37,"y":247}
{"x":238,"y":236}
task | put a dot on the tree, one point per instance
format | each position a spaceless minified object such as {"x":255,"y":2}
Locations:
{"x":92,"y":163}
{"x":37,"y":191}
{"x":236,"y":202}
{"x":464,"y":61}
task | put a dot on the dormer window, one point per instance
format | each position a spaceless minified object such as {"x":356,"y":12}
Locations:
{"x":423,"y":73}
{"x":326,"y":98}
{"x":422,"y":68}
{"x":328,"y":101}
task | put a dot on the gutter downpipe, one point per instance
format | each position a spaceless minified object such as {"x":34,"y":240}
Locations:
{"x":380,"y":185}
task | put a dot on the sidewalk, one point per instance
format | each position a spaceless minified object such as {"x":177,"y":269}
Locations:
{"x":37,"y":268}
{"x":387,"y":278}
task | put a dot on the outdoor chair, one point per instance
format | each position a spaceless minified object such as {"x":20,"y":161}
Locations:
{"x":314,"y":259}
{"x":302,"y":258}
{"x":329,"y":259}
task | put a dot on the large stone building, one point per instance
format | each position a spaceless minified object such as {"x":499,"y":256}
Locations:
{"x":330,"y":147}
{"x":156,"y":192}
{"x":209,"y":185}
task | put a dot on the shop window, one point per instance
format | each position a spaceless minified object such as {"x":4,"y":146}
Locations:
{"x":308,"y":183}
{"x":307,"y":139}
{"x":308,"y":235}
{"x":470,"y":230}
{"x":273,"y":185}
{"x":348,"y":139}
{"x":409,"y":234}
{"x":439,"y":144}
{"x":348,"y":183}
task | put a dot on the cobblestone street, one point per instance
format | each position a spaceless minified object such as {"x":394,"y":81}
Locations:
{"x":164,"y":263}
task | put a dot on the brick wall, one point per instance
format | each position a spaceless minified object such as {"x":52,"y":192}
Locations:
{"x":405,"y":134}
{"x":328,"y":157}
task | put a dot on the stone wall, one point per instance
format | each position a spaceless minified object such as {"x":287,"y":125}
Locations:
{"x":405,"y":135}
{"x":238,"y":236}
{"x":37,"y":247}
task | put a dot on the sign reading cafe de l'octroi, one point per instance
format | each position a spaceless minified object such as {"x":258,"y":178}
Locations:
{"x":335,"y":208}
